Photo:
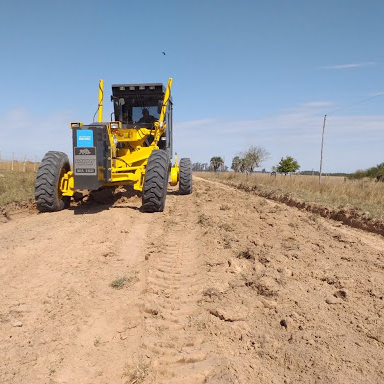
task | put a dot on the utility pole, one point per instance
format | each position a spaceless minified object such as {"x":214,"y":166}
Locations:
{"x":322,"y":144}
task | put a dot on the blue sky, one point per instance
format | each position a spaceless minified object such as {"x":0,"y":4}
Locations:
{"x":245,"y":73}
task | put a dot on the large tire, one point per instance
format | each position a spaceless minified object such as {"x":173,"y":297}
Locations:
{"x":47,"y":193}
{"x":156,"y":181}
{"x":185,"y":176}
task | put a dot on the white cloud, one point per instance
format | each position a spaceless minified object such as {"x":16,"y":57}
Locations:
{"x":351,"y":142}
{"x":26,"y":134}
{"x":352,"y":65}
{"x":316,"y":104}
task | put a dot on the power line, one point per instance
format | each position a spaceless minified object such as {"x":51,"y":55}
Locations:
{"x":352,"y":105}
{"x":337,"y":110}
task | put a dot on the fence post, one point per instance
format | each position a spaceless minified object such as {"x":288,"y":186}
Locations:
{"x":34,"y":164}
{"x":13,"y":158}
{"x":25,"y":163}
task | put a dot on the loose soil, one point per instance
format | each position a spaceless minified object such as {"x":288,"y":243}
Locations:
{"x":349,"y":215}
{"x":222,"y":287}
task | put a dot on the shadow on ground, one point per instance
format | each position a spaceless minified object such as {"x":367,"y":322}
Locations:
{"x":105,"y":199}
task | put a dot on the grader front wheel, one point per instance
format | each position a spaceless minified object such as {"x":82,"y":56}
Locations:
{"x":47,"y":186}
{"x":156,"y":181}
{"x":185,"y":176}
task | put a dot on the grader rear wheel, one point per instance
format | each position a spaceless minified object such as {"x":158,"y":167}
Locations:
{"x":47,"y":186}
{"x":156,"y":181}
{"x":185,"y":176}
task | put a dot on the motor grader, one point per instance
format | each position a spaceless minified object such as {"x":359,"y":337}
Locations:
{"x":134,"y":148}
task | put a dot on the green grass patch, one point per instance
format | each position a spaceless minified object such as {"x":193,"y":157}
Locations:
{"x":119,"y":283}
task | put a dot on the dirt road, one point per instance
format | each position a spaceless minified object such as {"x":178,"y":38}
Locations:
{"x":223,"y":287}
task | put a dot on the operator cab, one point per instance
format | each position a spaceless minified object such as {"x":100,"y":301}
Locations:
{"x":138,"y":105}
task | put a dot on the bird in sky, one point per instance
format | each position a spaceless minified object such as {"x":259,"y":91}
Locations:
{"x":163,"y":53}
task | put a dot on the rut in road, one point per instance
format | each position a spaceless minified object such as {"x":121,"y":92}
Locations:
{"x":175,"y":283}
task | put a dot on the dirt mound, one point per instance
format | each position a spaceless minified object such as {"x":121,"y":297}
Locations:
{"x":349,"y":215}
{"x":17,"y":209}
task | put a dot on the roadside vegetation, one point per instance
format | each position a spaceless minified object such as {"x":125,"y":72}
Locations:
{"x":337,"y":192}
{"x":362,"y":190}
{"x":250,"y":159}
{"x":372,"y":172}
{"x":287,"y":165}
{"x":16,"y":186}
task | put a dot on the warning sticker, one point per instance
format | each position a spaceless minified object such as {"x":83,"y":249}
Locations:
{"x":84,"y":161}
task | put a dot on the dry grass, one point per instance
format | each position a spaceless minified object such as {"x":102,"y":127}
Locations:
{"x":16,"y":187}
{"x":365,"y":194}
{"x":18,"y":166}
{"x":136,"y":372}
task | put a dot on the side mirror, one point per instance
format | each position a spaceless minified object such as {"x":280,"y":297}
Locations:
{"x":159,"y":106}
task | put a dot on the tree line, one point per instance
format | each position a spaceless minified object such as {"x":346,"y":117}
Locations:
{"x":376,"y":171}
{"x":247,"y":161}
{"x":216,"y":164}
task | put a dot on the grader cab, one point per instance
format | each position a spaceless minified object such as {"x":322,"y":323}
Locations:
{"x":135,"y":148}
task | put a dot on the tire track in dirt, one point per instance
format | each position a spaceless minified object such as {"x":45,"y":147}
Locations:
{"x":222,"y":287}
{"x":60,"y":320}
{"x":180,"y":352}
{"x":294,"y":298}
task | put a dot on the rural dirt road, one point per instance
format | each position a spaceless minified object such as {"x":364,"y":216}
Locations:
{"x":222,"y":287}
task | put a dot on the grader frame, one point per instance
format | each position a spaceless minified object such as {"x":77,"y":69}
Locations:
{"x":120,"y":152}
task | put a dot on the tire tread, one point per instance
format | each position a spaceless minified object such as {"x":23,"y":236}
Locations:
{"x":185,"y":176}
{"x":47,"y":179}
{"x":156,"y":181}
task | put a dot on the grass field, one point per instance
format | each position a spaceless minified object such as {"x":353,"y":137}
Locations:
{"x":367,"y":195}
{"x":334,"y":191}
{"x":17,"y":186}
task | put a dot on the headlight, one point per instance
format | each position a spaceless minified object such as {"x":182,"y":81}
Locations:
{"x":114,"y":125}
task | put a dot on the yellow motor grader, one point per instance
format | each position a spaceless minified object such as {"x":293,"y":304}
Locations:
{"x":133,"y":149}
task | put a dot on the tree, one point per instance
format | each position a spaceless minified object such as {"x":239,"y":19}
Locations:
{"x":287,"y":165}
{"x":370,"y":172}
{"x":253,"y":157}
{"x":216,"y":163}
{"x":248,"y":160}
{"x":236,"y":164}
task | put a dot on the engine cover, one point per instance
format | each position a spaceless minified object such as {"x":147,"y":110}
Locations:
{"x":91,"y":156}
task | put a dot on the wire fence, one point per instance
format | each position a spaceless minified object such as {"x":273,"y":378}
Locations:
{"x":18,"y":164}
